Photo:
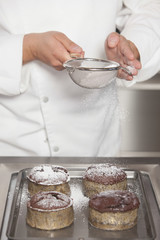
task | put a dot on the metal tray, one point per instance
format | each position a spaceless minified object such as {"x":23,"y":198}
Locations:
{"x":81,"y":230}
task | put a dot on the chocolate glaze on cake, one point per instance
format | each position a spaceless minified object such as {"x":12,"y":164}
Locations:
{"x":104,"y":174}
{"x":114,"y":201}
{"x":49,"y":201}
{"x":49,"y":175}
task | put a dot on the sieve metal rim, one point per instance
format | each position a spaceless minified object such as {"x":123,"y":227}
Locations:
{"x":66,"y":65}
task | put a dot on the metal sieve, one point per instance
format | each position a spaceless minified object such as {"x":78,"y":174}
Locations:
{"x":93,"y":73}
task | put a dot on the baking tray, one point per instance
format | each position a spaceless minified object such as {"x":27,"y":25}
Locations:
{"x":81,"y":230}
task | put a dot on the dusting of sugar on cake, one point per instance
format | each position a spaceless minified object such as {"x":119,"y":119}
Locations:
{"x":51,"y":200}
{"x":104,"y":173}
{"x":49,"y":175}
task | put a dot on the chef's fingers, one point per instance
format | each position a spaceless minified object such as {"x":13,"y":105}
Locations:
{"x":68,"y":44}
{"x":123,"y":75}
{"x":130,"y":68}
{"x":64,"y":56}
{"x":125,"y":49}
{"x":116,"y":40}
{"x":135,"y":63}
{"x":77,"y":55}
{"x":113,"y":40}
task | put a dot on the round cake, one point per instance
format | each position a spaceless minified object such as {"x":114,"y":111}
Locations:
{"x":101,"y":177}
{"x":50,"y":210}
{"x":114,"y":210}
{"x":48,"y":178}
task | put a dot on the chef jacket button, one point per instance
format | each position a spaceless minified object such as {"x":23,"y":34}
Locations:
{"x":45,"y":99}
{"x":55,"y":148}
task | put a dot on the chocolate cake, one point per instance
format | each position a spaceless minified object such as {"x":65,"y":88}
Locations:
{"x":101,"y":177}
{"x":50,"y":210}
{"x":114,"y":210}
{"x":48,"y":178}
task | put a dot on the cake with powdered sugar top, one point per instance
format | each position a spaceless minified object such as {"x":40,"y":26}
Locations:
{"x":48,"y":178}
{"x":51,"y":200}
{"x":50,"y":210}
{"x":105,"y":174}
{"x":101,"y":177}
{"x":49,"y":174}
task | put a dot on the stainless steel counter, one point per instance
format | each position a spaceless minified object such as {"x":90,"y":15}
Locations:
{"x":151,"y":166}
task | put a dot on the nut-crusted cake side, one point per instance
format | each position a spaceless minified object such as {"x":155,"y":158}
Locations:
{"x":114,"y":210}
{"x":48,"y":178}
{"x":101,"y":177}
{"x":50,"y":210}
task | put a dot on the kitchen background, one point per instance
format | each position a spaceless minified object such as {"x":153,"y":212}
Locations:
{"x":140,"y":118}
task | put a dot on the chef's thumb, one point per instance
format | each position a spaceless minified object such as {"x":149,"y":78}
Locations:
{"x":74,"y":48}
{"x":75,"y":51}
{"x":113,"y":40}
{"x":71,"y":47}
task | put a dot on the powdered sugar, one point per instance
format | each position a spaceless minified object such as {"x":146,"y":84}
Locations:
{"x":49,"y":174}
{"x":79,"y":200}
{"x":97,"y":79}
{"x":103,"y":169}
{"x":104,"y":173}
{"x":51,"y":200}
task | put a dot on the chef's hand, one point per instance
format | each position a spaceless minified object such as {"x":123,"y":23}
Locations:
{"x":52,"y":48}
{"x":123,"y":51}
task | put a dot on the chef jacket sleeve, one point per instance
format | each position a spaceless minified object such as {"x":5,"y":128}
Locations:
{"x":139,"y":22}
{"x":10,"y":63}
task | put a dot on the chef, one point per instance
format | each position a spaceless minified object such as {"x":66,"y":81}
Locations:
{"x":42,"y":112}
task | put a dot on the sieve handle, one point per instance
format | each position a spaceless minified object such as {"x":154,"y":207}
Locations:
{"x":126,"y":70}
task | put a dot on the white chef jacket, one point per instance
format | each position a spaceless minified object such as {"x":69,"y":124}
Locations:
{"x":42,"y":112}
